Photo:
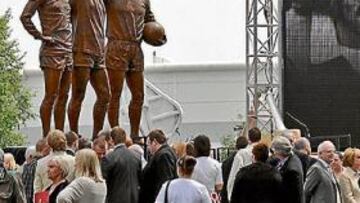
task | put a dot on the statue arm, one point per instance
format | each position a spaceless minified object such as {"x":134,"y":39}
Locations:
{"x":149,"y":15}
{"x":28,"y":12}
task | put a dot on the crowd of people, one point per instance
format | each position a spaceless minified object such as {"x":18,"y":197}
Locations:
{"x":287,"y":171}
{"x":64,"y":168}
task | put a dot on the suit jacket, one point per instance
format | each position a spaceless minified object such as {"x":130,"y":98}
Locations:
{"x":160,"y":168}
{"x":226,"y":168}
{"x":320,"y":184}
{"x":349,"y":186}
{"x":257,"y":183}
{"x":293,"y":180}
{"x":122,"y":170}
{"x":242,"y":158}
{"x":306,"y":161}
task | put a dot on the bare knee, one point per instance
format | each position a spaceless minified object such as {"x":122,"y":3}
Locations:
{"x":77,"y":99}
{"x":114,"y":101}
{"x":49,"y":99}
{"x":62,"y":98}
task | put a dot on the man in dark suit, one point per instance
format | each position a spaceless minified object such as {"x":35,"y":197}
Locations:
{"x":290,"y":169}
{"x":241,"y":143}
{"x":160,"y":168}
{"x":258,"y":182}
{"x":321,"y":185}
{"x":302,"y":149}
{"x":122,"y":170}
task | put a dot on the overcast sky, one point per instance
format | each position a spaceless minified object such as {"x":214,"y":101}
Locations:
{"x":197,"y":30}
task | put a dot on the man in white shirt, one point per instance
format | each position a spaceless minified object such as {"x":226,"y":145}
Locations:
{"x":243,"y":158}
{"x":207,"y":170}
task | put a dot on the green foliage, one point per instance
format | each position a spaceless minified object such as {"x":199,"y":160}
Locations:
{"x":228,"y":142}
{"x":15,"y":99}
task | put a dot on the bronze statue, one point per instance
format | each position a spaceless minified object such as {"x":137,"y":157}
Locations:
{"x":55,"y":55}
{"x":88,"y":19}
{"x":124,"y":56}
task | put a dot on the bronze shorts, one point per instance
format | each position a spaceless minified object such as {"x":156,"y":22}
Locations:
{"x":57,"y":62}
{"x":86,"y":60}
{"x":124,"y":56}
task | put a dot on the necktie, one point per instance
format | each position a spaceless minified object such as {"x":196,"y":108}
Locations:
{"x":332,"y":175}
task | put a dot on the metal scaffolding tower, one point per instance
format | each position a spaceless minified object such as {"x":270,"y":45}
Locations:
{"x":263,"y":61}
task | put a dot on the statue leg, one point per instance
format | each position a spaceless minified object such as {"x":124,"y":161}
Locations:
{"x":116,"y":79}
{"x":135,"y":82}
{"x":99,"y":82}
{"x":60,"y":103}
{"x":51,"y":77}
{"x":80,"y":78}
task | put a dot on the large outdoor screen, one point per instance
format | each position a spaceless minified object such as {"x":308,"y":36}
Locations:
{"x":321,"y":51}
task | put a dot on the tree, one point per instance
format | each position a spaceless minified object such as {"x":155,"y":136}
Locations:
{"x":15,"y":99}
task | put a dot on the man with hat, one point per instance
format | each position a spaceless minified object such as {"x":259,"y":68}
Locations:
{"x":290,"y":169}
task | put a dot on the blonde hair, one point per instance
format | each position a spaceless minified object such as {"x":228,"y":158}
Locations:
{"x":349,"y":156}
{"x":180,"y":149}
{"x":9,"y":159}
{"x":87,"y":164}
{"x":63,"y":165}
{"x":56,"y":140}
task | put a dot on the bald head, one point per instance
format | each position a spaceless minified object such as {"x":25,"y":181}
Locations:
{"x":303,"y":145}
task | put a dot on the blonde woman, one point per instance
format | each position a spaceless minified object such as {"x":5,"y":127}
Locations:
{"x":180,"y":149}
{"x":88,"y":186}
{"x":10,"y":163}
{"x":349,"y":179}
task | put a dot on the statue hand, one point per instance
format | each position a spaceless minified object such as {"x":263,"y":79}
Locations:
{"x":47,"y":39}
{"x":160,"y":42}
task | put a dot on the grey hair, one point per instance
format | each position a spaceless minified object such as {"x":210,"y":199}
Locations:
{"x":63,"y":165}
{"x":323,"y":145}
{"x":30,"y":151}
{"x":281,"y":145}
